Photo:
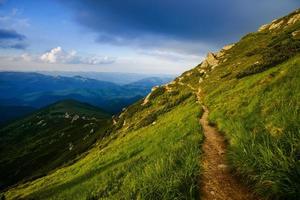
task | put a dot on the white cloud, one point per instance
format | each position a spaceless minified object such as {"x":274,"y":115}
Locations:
{"x":58,"y":55}
{"x":53,"y":55}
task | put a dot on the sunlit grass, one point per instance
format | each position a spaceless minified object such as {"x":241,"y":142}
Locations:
{"x":159,"y":161}
{"x":260,"y":116}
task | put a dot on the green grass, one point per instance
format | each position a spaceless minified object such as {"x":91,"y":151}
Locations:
{"x":254,"y":98}
{"x":39,"y":143}
{"x":158,"y":161}
{"x":259,"y":115}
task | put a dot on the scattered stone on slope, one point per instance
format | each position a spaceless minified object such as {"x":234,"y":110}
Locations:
{"x":76,"y":117}
{"x":296,"y":34}
{"x":67,"y":116}
{"x":71,"y":146}
{"x":294,"y":19}
{"x":40,"y":122}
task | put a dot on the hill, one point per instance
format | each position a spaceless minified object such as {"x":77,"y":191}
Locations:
{"x":251,"y":89}
{"x":49,"y":138}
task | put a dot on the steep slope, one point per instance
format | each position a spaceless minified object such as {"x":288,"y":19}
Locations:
{"x":48,"y":138}
{"x":251,"y":89}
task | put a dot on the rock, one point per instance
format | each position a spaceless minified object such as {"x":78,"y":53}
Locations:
{"x":67,"y":116}
{"x":76,"y":117}
{"x":212,"y":192}
{"x":227,"y":47}
{"x":70,"y":146}
{"x":154,"y":88}
{"x":40,"y":122}
{"x":200,"y":80}
{"x":264,"y":27}
{"x":92,"y":130}
{"x":276,"y":24}
{"x":296,"y":34}
{"x":210,"y":61}
{"x":294,"y":19}
{"x":222,"y":167}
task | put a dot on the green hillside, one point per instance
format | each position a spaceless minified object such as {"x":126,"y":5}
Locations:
{"x":48,"y":138}
{"x":148,"y":156}
{"x":252,"y":89}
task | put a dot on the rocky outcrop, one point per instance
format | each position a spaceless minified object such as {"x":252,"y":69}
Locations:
{"x":210,"y":61}
{"x":294,"y":19}
{"x":279,"y":23}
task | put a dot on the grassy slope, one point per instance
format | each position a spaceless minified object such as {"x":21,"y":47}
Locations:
{"x":258,"y":109}
{"x":154,"y":157}
{"x":33,"y":146}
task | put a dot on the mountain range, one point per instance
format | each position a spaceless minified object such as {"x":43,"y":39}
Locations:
{"x":23,"y":92}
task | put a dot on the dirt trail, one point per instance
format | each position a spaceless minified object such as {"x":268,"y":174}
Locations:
{"x":217,"y":181}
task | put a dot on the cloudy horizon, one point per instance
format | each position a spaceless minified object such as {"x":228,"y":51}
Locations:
{"x":136,"y":36}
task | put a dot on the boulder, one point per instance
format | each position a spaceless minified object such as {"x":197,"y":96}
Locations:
{"x":211,"y":60}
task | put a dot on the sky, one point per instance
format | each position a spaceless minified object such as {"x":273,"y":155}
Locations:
{"x":136,"y":36}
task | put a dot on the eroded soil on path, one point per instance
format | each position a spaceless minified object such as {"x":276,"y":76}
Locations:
{"x":217,"y":181}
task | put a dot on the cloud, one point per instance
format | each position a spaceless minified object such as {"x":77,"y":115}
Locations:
{"x":12,"y":39}
{"x":203,"y":21}
{"x":58,"y":55}
{"x":11,"y":34}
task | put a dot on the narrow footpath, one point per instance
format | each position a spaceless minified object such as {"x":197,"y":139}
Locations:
{"x":217,"y":183}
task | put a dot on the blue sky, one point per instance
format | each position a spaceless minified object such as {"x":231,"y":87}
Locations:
{"x":141,"y":36}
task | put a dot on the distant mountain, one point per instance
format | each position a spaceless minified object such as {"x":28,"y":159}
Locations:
{"x":114,"y":77}
{"x":49,"y":138}
{"x":39,"y":90}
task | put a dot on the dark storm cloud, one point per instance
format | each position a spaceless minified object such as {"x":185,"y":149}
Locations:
{"x":211,"y":21}
{"x":12,"y":39}
{"x":10,"y":34}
